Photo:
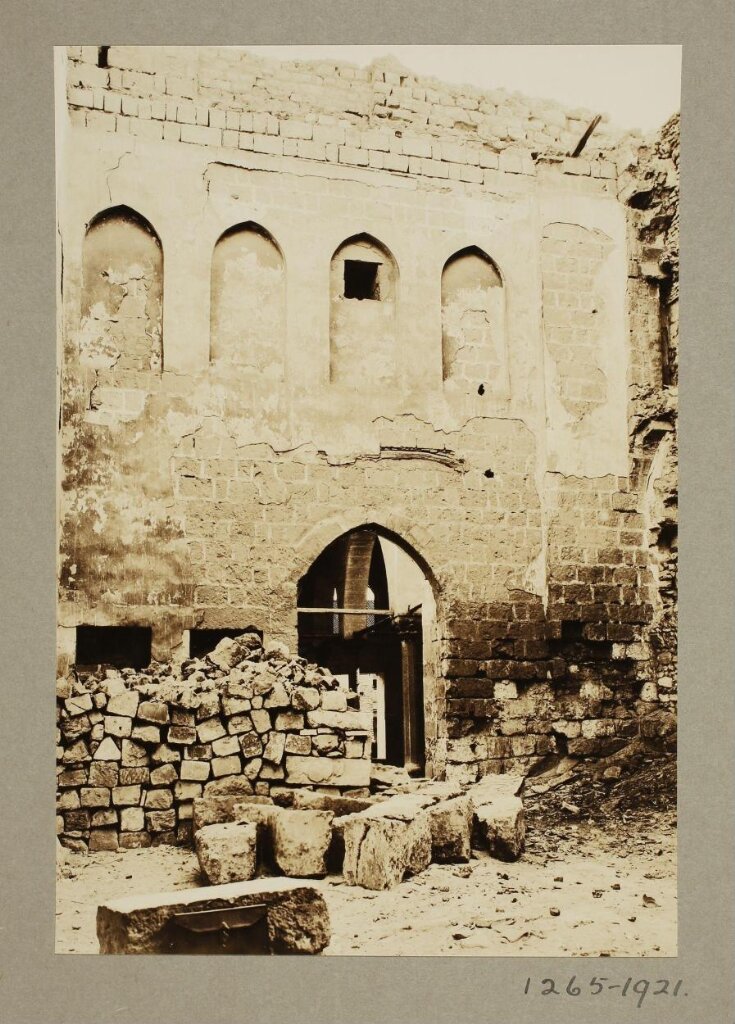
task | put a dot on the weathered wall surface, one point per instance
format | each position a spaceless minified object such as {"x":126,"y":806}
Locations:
{"x":649,"y":186}
{"x":199,"y":488}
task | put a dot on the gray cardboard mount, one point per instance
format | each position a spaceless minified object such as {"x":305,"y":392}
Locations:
{"x":38,"y":986}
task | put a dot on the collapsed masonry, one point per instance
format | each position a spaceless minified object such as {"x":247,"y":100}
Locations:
{"x":389,"y":376}
{"x":149,"y":759}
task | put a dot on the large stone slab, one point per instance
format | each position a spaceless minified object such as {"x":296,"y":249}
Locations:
{"x":227,"y":852}
{"x":327,"y":771}
{"x":295,"y":920}
{"x":491,"y":787}
{"x":211,"y":810}
{"x":501,"y":827}
{"x":387,"y":841}
{"x":301,"y":840}
{"x":358,"y":721}
{"x":380,"y":851}
{"x":451,"y":830}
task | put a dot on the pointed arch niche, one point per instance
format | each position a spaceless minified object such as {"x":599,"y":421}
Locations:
{"x":122,"y":293}
{"x":248,"y":302}
{"x":362,"y":323}
{"x":474,"y":350}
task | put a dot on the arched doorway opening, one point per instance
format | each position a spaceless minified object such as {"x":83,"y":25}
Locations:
{"x":366,"y":611}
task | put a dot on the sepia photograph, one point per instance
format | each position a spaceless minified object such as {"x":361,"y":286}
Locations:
{"x":367,"y":490}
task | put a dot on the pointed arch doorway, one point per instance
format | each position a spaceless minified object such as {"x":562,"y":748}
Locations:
{"x":366,"y":611}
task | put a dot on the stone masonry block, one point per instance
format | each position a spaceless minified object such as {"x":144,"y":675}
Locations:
{"x":226,"y":852}
{"x":296,"y":918}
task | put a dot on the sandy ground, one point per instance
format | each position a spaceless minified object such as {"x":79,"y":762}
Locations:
{"x":582,"y":889}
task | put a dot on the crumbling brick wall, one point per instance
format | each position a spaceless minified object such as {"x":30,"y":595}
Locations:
{"x":649,"y":186}
{"x":197,"y":493}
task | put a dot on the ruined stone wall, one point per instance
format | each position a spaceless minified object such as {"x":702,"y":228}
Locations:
{"x":199,"y":488}
{"x":649,"y":186}
{"x":136,"y":748}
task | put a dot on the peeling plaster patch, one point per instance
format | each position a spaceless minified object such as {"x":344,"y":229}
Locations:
{"x":474,"y":350}
{"x":248,"y":306}
{"x":122,"y":294}
{"x":574,"y":314}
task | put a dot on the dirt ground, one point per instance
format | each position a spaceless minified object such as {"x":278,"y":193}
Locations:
{"x":599,"y":881}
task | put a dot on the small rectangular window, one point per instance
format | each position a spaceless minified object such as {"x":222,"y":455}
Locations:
{"x":121,"y":646}
{"x":361,"y":280}
{"x":202,"y":641}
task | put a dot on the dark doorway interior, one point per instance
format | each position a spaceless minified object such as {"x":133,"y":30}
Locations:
{"x":360,"y":638}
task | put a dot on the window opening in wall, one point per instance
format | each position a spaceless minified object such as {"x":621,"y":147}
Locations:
{"x":361,"y":280}
{"x":122,"y":646}
{"x":202,"y":641}
{"x":102,"y":52}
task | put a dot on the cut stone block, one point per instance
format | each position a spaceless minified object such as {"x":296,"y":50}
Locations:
{"x":164,"y":775}
{"x":211,"y":729}
{"x":117,"y":725}
{"x":355,"y":720}
{"x":102,"y":839}
{"x":327,"y":771}
{"x":451,"y":830}
{"x":502,"y":827}
{"x":301,"y":840}
{"x":133,"y":754}
{"x":296,"y":919}
{"x":194,"y":771}
{"x":235,"y":785}
{"x":227,"y":851}
{"x":125,"y":703}
{"x":147,"y":734}
{"x":211,"y":810}
{"x":381,"y":851}
{"x":491,"y":787}
{"x":159,"y":799}
{"x":132,"y":819}
{"x":108,"y":750}
{"x":305,"y":799}
{"x":153,"y":711}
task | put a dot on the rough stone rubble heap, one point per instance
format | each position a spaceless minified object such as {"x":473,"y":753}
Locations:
{"x":135,"y":748}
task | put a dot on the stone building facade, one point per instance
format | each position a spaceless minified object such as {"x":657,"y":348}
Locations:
{"x":313,"y":311}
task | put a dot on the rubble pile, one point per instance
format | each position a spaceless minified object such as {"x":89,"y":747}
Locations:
{"x":135,"y":748}
{"x":374,"y":842}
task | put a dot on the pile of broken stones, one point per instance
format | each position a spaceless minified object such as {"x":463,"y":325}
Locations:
{"x":137,"y":747}
{"x":374,"y":841}
{"x":261,"y":761}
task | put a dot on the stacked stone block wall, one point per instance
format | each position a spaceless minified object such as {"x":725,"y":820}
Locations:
{"x":135,"y":748}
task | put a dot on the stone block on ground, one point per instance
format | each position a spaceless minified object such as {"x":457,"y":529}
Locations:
{"x":491,"y":787}
{"x":301,"y":840}
{"x":212,"y":810}
{"x":451,"y":829}
{"x":383,"y":776}
{"x":295,"y":919}
{"x":379,"y":852}
{"x":501,"y":827}
{"x":227,"y":851}
{"x":386,"y":842}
